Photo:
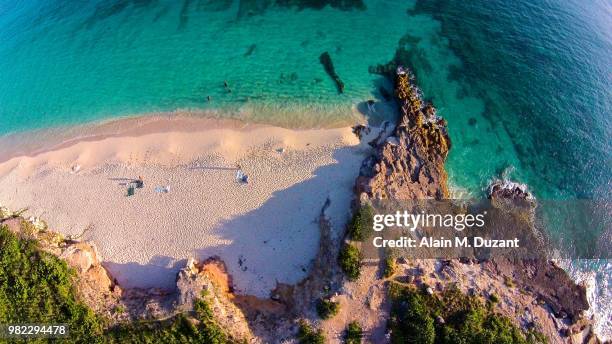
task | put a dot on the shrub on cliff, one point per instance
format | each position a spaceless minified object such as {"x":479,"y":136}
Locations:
{"x":360,"y":226}
{"x":493,"y":298}
{"x":389,"y":267}
{"x":180,"y":329}
{"x":308,"y":335}
{"x":410,"y":320}
{"x":353,"y":333}
{"x":37,"y":287}
{"x":418,"y":317}
{"x":350,"y":261}
{"x":327,"y":308}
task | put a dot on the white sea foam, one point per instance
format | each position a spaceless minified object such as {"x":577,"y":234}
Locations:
{"x":595,"y":275}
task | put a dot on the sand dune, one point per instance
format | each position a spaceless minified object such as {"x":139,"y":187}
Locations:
{"x":264,"y":230}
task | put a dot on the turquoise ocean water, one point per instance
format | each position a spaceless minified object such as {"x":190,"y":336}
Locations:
{"x":525,"y":85}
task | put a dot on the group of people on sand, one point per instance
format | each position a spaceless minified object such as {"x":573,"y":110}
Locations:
{"x":138,"y":183}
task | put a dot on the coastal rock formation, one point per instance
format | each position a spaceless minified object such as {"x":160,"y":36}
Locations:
{"x":210,"y":280}
{"x":410,"y":163}
{"x":95,"y":285}
{"x":549,"y":282}
{"x":505,"y":189}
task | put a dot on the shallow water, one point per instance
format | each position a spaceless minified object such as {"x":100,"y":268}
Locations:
{"x":525,"y":86}
{"x":65,"y":62}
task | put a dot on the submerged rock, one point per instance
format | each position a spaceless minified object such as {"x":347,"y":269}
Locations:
{"x":250,"y":50}
{"x":327,"y":63}
{"x":509,"y":190}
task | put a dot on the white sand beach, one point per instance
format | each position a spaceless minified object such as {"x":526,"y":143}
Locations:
{"x":264,"y":230}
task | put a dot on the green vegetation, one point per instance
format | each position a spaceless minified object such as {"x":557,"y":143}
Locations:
{"x":417,"y":317}
{"x":353,"y":333}
{"x":350,"y":261}
{"x":360,"y":227}
{"x":37,"y":287}
{"x":493,"y":298}
{"x":327,"y":308}
{"x":389,"y":267}
{"x":180,"y":329}
{"x":308,"y":335}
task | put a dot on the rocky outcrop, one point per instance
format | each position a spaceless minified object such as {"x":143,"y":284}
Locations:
{"x":506,"y":189}
{"x":538,"y":275}
{"x":209,"y":280}
{"x":95,"y":287}
{"x":409,"y":164}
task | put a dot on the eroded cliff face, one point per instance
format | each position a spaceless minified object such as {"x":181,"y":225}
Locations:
{"x":207,"y":280}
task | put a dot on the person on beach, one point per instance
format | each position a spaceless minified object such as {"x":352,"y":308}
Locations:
{"x":139,"y":183}
{"x":240,"y":176}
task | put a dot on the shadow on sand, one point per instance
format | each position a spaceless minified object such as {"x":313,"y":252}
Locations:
{"x":159,"y":272}
{"x":276,"y":242}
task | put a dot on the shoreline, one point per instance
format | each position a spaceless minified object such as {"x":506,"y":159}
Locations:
{"x":263,"y":230}
{"x":43,"y":140}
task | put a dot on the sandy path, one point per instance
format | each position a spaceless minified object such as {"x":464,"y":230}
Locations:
{"x":265,"y":231}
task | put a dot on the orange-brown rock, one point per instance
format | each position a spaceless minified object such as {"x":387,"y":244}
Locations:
{"x":410,"y":163}
{"x":210,"y":281}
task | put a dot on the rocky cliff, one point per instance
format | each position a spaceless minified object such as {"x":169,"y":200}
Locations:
{"x":408,"y":165}
{"x":207,"y":280}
